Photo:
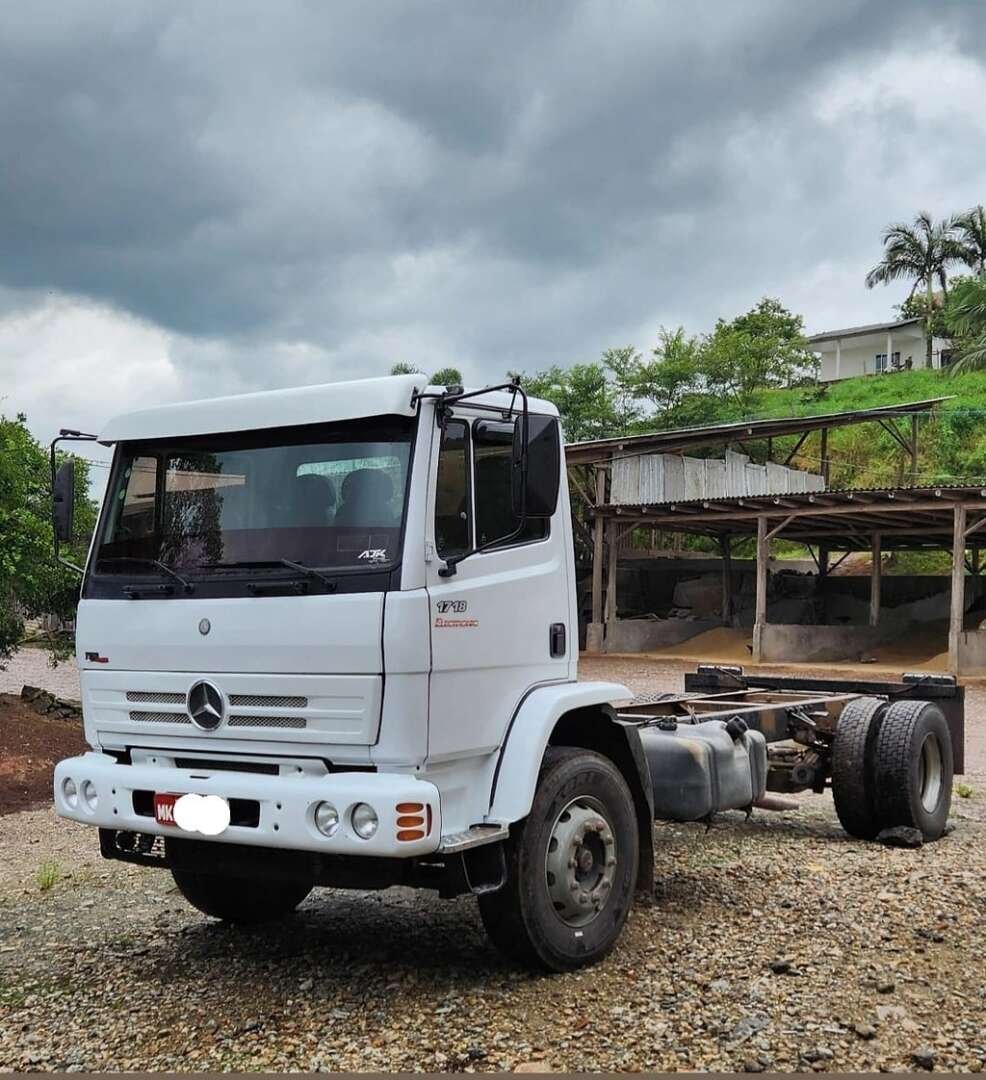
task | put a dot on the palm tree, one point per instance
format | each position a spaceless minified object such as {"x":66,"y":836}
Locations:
{"x":971,"y":230}
{"x":920,"y":253}
{"x":967,"y":318}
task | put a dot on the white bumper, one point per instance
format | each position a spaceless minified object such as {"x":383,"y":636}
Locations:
{"x":287,"y":804}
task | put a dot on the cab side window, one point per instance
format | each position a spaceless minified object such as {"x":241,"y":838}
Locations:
{"x":453,"y":512}
{"x":495,"y":518}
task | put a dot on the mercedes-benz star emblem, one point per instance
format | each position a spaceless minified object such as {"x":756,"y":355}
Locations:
{"x":205,"y":706}
{"x":204,"y":626}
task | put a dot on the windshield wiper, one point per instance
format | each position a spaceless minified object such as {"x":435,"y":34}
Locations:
{"x":156,"y":563}
{"x":299,"y":568}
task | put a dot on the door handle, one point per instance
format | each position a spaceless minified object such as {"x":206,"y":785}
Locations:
{"x":557,"y":643}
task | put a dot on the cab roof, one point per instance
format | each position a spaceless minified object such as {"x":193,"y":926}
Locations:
{"x":392,"y":395}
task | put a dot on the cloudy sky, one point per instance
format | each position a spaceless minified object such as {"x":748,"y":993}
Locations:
{"x":201,"y":198}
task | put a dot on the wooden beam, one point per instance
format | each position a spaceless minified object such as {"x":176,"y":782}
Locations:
{"x":875,"y":574}
{"x":797,"y":447}
{"x":956,"y":619}
{"x":824,"y":454}
{"x":726,"y":548}
{"x":760,"y":617}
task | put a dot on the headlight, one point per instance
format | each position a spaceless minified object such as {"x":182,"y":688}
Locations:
{"x":365,"y":821}
{"x":70,"y":793}
{"x":89,"y":795}
{"x":326,"y":818}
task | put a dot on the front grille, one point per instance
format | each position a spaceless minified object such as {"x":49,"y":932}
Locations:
{"x":267,"y":701}
{"x":268,"y":721}
{"x":153,"y":697}
{"x":160,"y":718}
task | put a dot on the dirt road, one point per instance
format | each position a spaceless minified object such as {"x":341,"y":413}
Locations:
{"x":881,"y":954}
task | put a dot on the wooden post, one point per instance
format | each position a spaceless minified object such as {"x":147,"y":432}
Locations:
{"x":823,"y":573}
{"x":957,"y":614}
{"x":914,"y":449}
{"x":875,"y":574}
{"x":726,"y":547}
{"x":612,"y":530}
{"x":760,"y":617}
{"x":594,"y":632}
{"x":825,"y":455}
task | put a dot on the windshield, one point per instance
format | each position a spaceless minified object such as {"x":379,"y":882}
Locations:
{"x":327,"y":495}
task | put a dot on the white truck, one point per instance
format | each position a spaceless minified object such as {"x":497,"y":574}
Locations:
{"x":328,"y":636}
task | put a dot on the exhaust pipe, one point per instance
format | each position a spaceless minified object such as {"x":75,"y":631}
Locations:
{"x":769,"y":801}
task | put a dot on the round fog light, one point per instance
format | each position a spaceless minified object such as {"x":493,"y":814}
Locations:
{"x":365,"y":820}
{"x":326,"y":818}
{"x":89,"y":795}
{"x":70,"y":793}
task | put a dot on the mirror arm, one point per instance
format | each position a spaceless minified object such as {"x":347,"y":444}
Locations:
{"x":64,"y":435}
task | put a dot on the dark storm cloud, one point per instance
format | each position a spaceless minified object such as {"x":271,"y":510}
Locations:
{"x":507,"y":185}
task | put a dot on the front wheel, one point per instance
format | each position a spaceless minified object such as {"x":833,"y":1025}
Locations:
{"x":240,"y":900}
{"x":571,"y":866}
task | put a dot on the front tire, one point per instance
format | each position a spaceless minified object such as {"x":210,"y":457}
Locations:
{"x":244,"y":901}
{"x":571,"y":866}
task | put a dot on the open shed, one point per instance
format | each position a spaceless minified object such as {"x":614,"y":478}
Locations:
{"x":826,"y":521}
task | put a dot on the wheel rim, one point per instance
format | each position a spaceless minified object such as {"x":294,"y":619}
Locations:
{"x":580,"y":864}
{"x":930,"y":773}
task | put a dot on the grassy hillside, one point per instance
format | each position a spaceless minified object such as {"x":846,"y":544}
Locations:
{"x":952,"y":439}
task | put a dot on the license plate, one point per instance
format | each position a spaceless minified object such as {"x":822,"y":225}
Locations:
{"x":164,"y":807}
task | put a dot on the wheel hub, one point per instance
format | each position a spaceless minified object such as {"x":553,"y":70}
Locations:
{"x":930,"y":773}
{"x":580,"y":865}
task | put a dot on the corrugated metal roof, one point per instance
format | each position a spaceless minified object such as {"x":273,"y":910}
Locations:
{"x":680,"y":439}
{"x":858,"y":331}
{"x":842,"y":519}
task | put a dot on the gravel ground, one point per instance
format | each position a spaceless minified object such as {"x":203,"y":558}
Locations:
{"x":879,"y":956}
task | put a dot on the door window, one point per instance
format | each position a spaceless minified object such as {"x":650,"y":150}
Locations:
{"x":453,"y":516}
{"x":495,"y":518}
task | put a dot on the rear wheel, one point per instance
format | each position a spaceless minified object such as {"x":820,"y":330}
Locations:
{"x":913,"y":768}
{"x":852,"y":767}
{"x":571,"y":866}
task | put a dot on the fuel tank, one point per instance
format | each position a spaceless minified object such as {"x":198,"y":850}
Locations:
{"x":699,"y":769}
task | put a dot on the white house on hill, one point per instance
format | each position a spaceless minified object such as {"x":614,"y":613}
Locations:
{"x":877,"y":349}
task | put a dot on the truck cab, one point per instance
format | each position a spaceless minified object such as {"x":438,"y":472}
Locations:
{"x":327,"y":608}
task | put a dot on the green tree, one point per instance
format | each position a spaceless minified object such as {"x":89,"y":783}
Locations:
{"x":404,"y":368}
{"x":583,"y":395}
{"x":920,"y":253}
{"x":965,"y":315}
{"x":970,"y":228}
{"x":624,"y":365}
{"x":672,"y":373}
{"x":31,"y":583}
{"x":447,"y":376}
{"x":765,"y":347}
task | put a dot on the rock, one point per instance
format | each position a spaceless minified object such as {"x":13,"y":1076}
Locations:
{"x":865,"y":1031}
{"x":753,"y":1065}
{"x":533,"y":1067}
{"x":782,"y":965}
{"x":924,"y":1057}
{"x":886,"y":986}
{"x":818,"y":1053}
{"x":748,"y":1026}
{"x":901,"y":836}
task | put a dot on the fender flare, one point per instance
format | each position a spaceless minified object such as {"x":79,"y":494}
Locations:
{"x":516,"y":775}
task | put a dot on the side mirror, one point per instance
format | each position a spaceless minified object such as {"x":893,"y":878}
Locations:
{"x":536,"y":466}
{"x":63,"y":502}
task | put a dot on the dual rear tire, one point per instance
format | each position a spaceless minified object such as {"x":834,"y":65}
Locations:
{"x":892,"y":766}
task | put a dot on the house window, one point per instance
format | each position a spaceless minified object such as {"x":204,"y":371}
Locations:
{"x":881,"y":362}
